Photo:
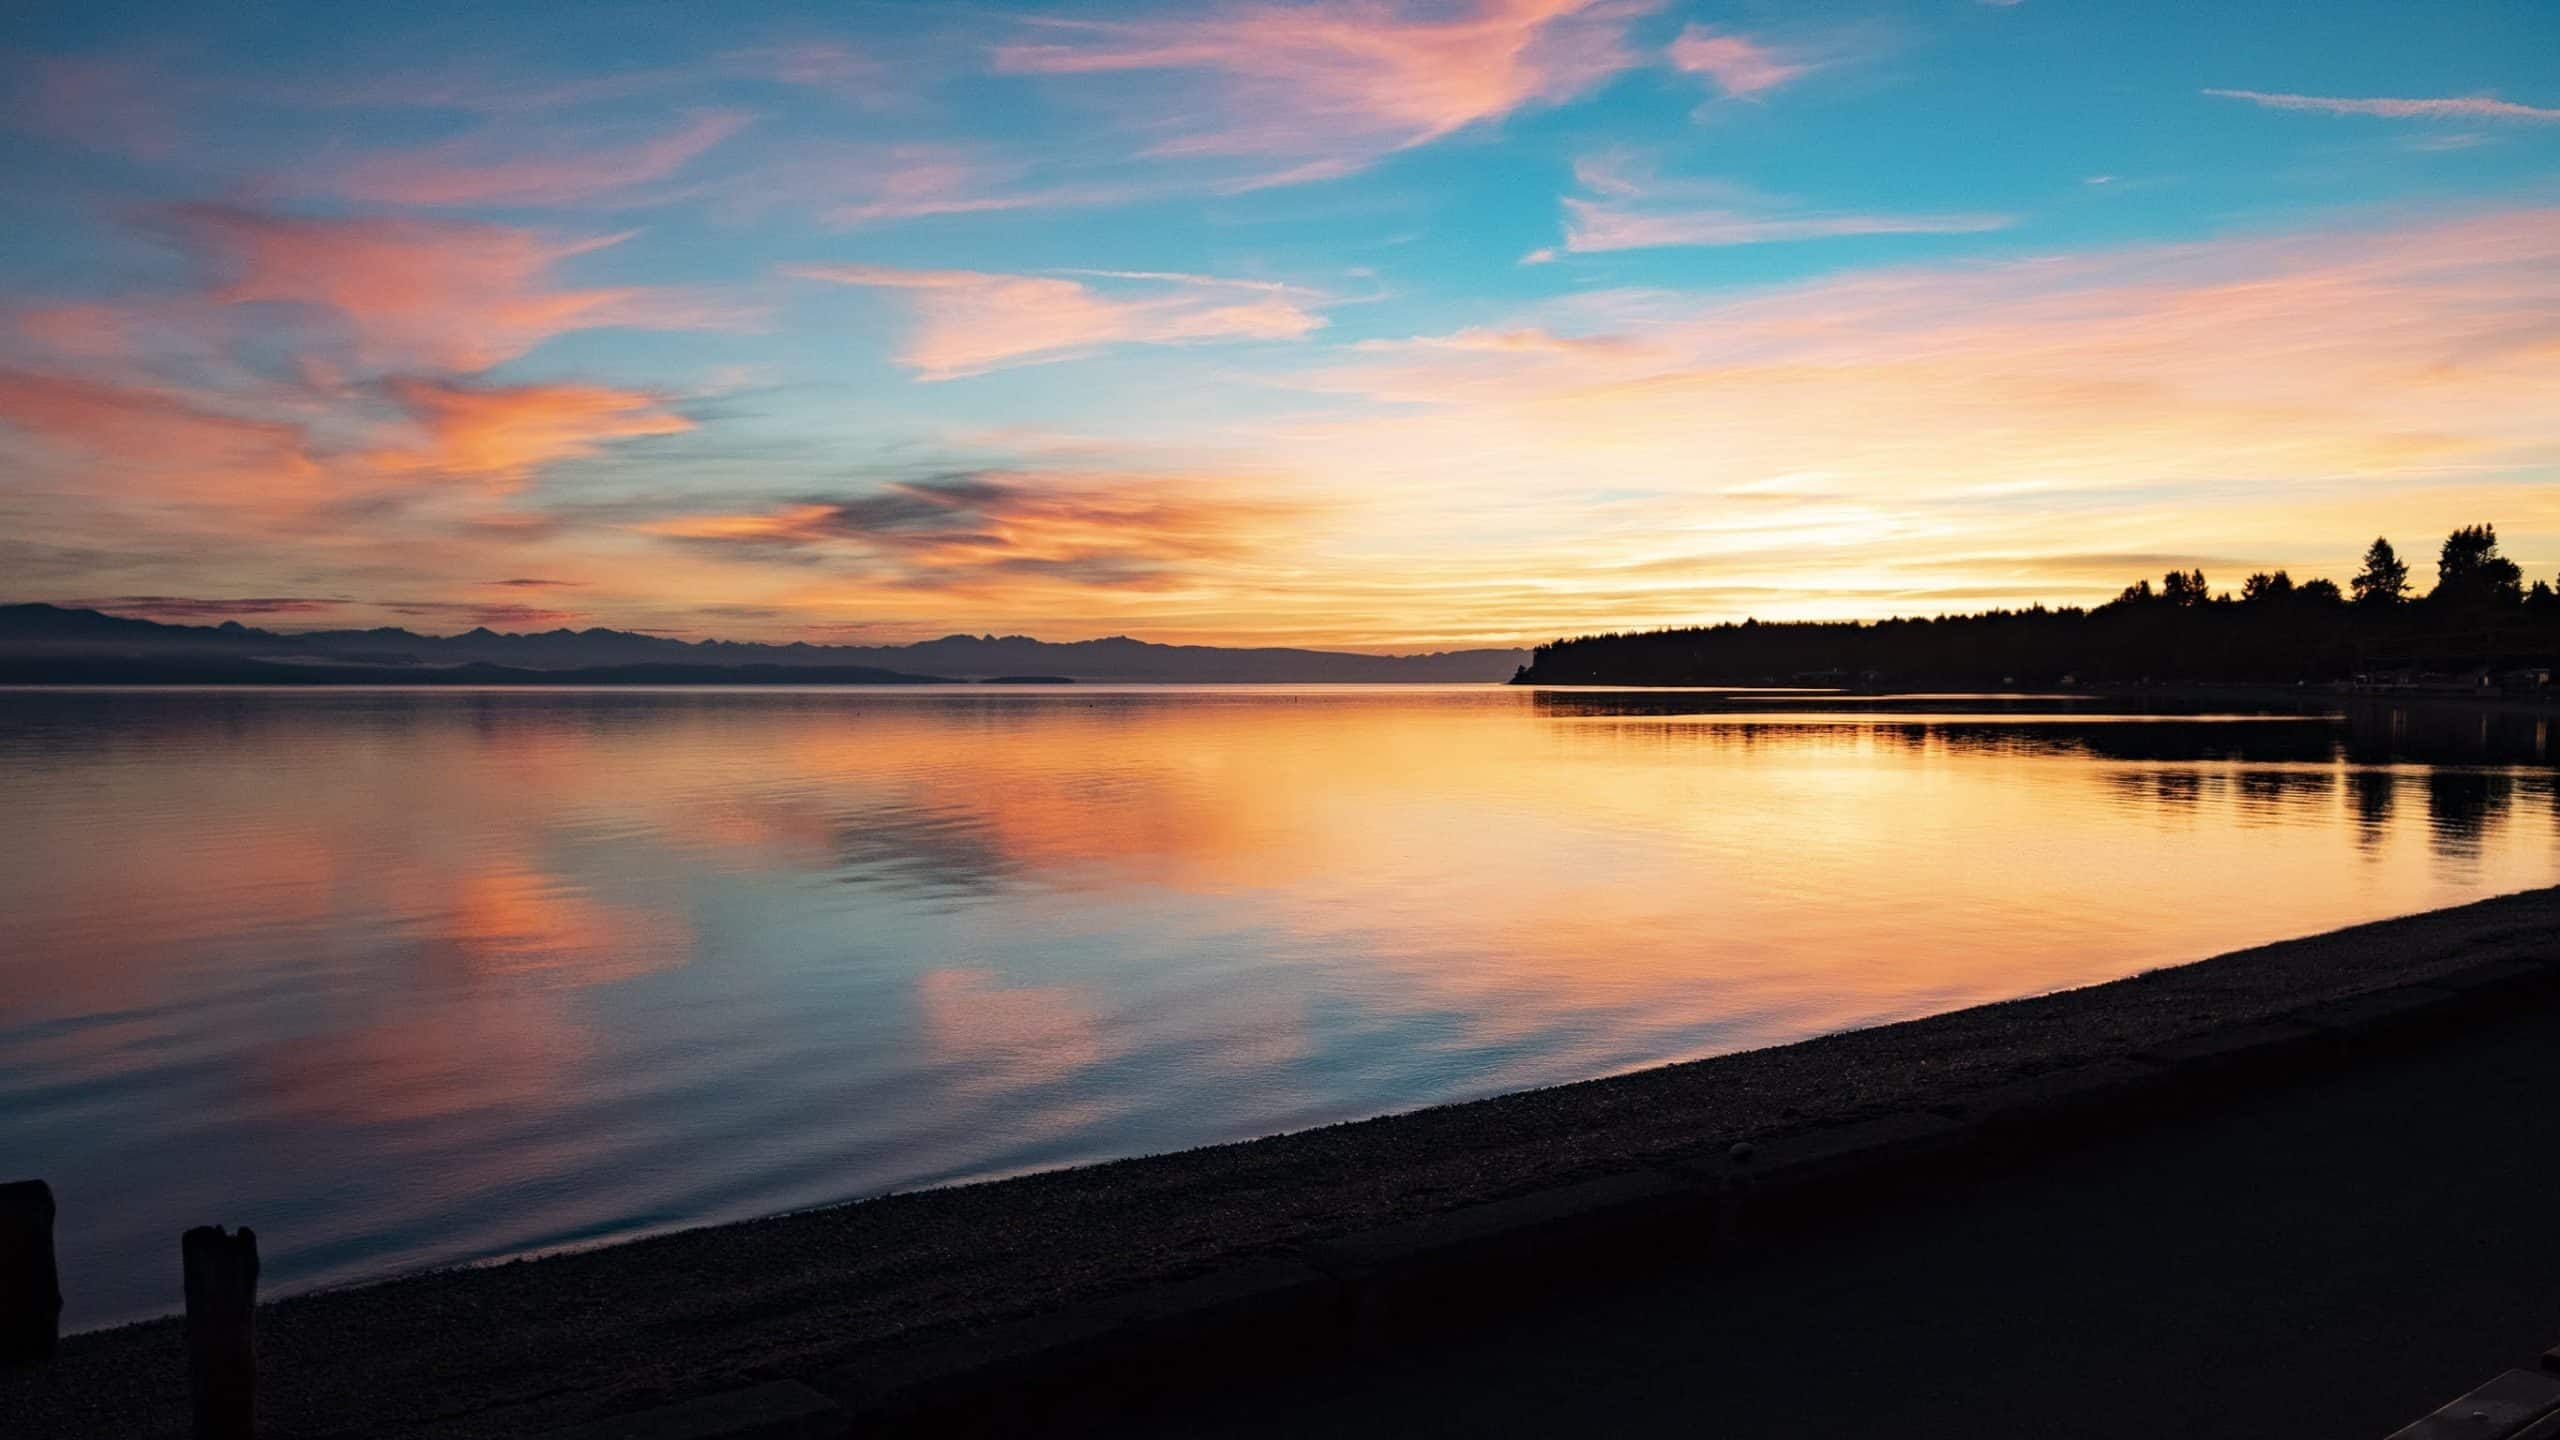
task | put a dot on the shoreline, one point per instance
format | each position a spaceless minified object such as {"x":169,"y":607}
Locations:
{"x":2324,"y":694}
{"x":529,"y":1345}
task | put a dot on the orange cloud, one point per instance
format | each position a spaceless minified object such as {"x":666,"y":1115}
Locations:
{"x":474,"y":173}
{"x":1013,"y":530}
{"x":500,"y":435}
{"x":2464,"y":107}
{"x":970,"y":321}
{"x":1347,"y":81}
{"x":418,"y":294}
{"x":1736,"y":65}
{"x":137,"y":439}
{"x":85,"y":331}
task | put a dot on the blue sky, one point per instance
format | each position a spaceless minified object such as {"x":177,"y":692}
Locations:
{"x":1373,"y":324}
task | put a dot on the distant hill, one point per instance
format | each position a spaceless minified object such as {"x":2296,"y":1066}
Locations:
{"x":56,"y":645}
{"x":180,"y":669}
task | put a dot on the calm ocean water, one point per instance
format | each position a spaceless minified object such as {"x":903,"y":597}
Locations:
{"x":407,"y":978}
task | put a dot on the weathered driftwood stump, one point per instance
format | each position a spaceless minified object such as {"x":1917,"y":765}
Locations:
{"x":222,"y":1350}
{"x":30,"y":1287}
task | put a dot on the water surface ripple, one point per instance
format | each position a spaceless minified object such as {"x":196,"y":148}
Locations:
{"x":406,"y":978}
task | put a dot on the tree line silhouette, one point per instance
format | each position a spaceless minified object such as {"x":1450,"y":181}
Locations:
{"x":2480,"y":625}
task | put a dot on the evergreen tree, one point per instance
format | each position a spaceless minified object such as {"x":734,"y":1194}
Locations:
{"x":2385,"y":577}
{"x":2164,"y":631}
{"x":2470,"y":571}
{"x":2265,"y":587}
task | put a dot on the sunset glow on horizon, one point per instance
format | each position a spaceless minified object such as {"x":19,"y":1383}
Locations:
{"x":1357,"y":323}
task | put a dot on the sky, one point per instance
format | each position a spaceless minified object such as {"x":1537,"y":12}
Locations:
{"x":1355,"y":323}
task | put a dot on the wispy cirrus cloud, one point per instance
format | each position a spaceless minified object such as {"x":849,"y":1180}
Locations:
{"x":1737,"y":65}
{"x":546,"y":170}
{"x":432,"y":294}
{"x":2207,"y":390}
{"x":1631,"y":208}
{"x":1337,"y":85}
{"x":830,"y":66}
{"x":2454,"y":107}
{"x":921,"y":191}
{"x":969,"y":321}
{"x":857,"y":184}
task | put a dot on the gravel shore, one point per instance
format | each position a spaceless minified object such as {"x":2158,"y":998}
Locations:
{"x":518,"y":1348}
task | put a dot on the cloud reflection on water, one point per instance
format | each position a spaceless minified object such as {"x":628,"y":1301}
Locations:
{"x":629,"y":960}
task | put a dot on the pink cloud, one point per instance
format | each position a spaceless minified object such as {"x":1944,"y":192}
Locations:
{"x":1736,"y":65}
{"x":970,"y":321}
{"x":132,"y":439}
{"x":89,"y":331}
{"x":475,"y":172}
{"x":2447,"y":108}
{"x":1344,"y":82}
{"x":418,"y":294}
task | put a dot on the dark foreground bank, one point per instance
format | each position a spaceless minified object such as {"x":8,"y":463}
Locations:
{"x":853,"y":1298}
{"x":2325,"y":1254}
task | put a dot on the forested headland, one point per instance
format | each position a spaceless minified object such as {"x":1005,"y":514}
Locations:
{"x":2480,"y":625}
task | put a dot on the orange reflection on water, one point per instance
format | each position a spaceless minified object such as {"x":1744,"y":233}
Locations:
{"x":642,"y":959}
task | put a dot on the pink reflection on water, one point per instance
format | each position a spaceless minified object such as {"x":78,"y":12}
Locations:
{"x":472,"y":973}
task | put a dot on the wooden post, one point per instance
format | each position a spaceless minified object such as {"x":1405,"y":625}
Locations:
{"x":222,"y":1352}
{"x":30,"y":1287}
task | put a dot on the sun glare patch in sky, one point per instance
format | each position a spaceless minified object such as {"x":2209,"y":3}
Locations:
{"x":1354,"y":323}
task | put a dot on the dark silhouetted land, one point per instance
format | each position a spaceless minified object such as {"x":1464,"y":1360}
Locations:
{"x":228,"y":670}
{"x":2480,"y":628}
{"x":48,"y":644}
{"x":2334,"y":1256}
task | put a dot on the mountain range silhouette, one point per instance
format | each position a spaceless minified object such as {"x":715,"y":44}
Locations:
{"x":52,"y":644}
